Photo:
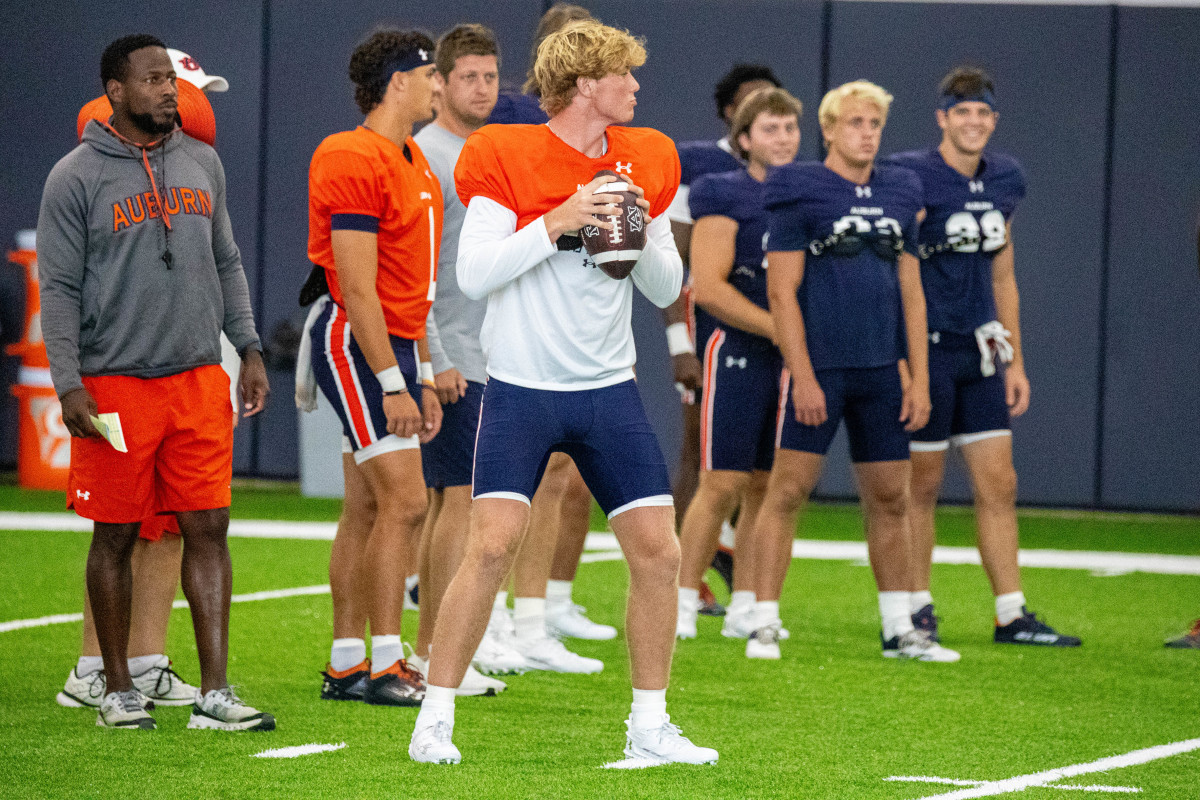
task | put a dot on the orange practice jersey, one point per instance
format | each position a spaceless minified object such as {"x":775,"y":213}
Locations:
{"x":360,"y":180}
{"x":530,"y":171}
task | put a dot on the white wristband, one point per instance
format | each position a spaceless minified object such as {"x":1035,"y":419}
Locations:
{"x":390,"y":380}
{"x":678,"y":340}
{"x":425,"y":371}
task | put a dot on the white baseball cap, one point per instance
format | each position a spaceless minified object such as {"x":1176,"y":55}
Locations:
{"x":187,"y":68}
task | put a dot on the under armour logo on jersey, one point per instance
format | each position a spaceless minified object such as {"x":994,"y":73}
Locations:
{"x":976,"y":187}
{"x":730,"y":362}
{"x":82,"y":495}
{"x":625,"y":167}
{"x":424,"y":55}
{"x":862,"y":191}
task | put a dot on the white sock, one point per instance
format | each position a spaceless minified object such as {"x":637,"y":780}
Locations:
{"x":347,"y":653}
{"x":529,"y":617}
{"x":411,"y":581}
{"x":385,"y":651}
{"x":139,"y":664}
{"x":740,"y":602}
{"x":501,"y":600}
{"x":88,"y":664}
{"x":893,"y":610}
{"x":918,"y":600}
{"x":689,"y":599}
{"x":1009,"y":607}
{"x":438,"y":705}
{"x":649,"y":709}
{"x":558,"y":593}
{"x":765,"y":612}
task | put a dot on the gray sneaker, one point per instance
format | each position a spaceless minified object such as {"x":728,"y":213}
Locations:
{"x":126,"y":711}
{"x":223,"y":710}
{"x":163,"y":686}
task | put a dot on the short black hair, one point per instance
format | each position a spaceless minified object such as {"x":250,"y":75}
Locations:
{"x":727,"y":87}
{"x":114,"y":62}
{"x":966,"y":81}
{"x":368,"y":63}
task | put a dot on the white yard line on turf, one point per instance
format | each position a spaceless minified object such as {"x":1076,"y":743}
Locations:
{"x":1068,"y":787}
{"x":1020,"y":783}
{"x":249,"y":597}
{"x":299,"y":750}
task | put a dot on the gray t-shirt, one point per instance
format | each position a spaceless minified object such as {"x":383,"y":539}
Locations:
{"x":452,"y":329}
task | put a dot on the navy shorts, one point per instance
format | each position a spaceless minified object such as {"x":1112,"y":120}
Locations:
{"x":351,"y":388}
{"x":604,"y":431}
{"x":869,"y":399}
{"x":967,"y":407}
{"x":447,"y":458}
{"x":739,"y":410}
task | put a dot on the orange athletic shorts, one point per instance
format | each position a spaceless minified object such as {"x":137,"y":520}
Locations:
{"x":153,"y":528}
{"x":180,"y":441}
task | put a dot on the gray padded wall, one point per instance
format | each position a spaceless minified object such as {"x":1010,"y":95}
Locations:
{"x":1151,"y":453}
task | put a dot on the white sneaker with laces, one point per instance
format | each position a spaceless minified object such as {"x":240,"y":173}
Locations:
{"x":739,"y":624}
{"x":473,"y":683}
{"x":764,"y":642}
{"x":918,"y":645}
{"x":685,"y":621}
{"x":82,"y":691}
{"x":665,"y":744}
{"x":163,"y":685}
{"x":570,"y":620}
{"x":430,"y":743}
{"x":549,"y":654}
{"x":497,"y":653}
{"x":223,"y":710}
{"x":125,"y":711}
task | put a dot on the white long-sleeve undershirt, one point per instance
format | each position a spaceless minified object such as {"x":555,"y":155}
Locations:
{"x":554,"y":320}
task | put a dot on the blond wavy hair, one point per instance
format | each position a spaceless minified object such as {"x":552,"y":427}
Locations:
{"x":583,"y":49}
{"x":831,"y":103}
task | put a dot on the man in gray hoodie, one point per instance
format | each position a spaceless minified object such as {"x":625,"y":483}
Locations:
{"x":139,"y":276}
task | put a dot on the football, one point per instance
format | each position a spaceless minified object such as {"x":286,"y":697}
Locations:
{"x":617,"y":251}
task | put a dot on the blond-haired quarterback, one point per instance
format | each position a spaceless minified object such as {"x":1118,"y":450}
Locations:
{"x":560,"y":358}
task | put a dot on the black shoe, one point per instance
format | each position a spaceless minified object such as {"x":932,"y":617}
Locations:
{"x":709,"y":606}
{"x":1189,"y":641}
{"x":723,"y":563}
{"x":398,"y":685}
{"x":925,"y":620}
{"x":348,"y":685}
{"x":1028,"y":629}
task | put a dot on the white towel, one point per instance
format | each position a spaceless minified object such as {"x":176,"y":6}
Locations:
{"x":306,"y":382}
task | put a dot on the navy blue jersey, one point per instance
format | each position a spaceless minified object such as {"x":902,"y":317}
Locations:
{"x":740,"y":197}
{"x":852,"y":235}
{"x":697,"y":159}
{"x":964,"y":228}
{"x":514,"y":108}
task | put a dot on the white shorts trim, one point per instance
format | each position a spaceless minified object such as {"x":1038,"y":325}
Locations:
{"x":969,"y":438}
{"x":503,"y":496}
{"x":928,"y":447}
{"x":346,"y":446}
{"x":655,"y":500}
{"x":388,"y":444}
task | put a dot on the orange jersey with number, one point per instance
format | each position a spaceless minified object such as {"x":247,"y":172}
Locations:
{"x":360,"y":180}
{"x":529,"y":170}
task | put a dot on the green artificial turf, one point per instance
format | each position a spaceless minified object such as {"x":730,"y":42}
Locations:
{"x":831,"y":720}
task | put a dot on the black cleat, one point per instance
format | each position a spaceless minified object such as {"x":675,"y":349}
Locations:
{"x":1189,"y":641}
{"x":723,"y":563}
{"x":1028,"y":629}
{"x":709,"y":606}
{"x":348,"y":685}
{"x":925,"y":620}
{"x":398,"y":685}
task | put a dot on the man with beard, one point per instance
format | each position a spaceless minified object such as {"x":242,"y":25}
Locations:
{"x":140,"y":274}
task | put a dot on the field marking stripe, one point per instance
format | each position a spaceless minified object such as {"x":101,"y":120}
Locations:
{"x":1097,"y":788}
{"x":249,"y":597}
{"x":1020,"y":783}
{"x":298,"y":750}
{"x":929,"y":779}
